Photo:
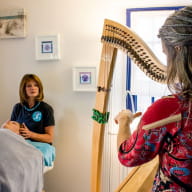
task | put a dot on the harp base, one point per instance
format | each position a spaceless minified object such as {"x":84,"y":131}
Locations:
{"x":140,"y":179}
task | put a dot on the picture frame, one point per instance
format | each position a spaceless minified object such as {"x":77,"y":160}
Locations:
{"x":84,"y":79}
{"x":47,"y":47}
{"x":13,"y":23}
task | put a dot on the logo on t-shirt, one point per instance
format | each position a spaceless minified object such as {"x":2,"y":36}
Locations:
{"x":37,"y":116}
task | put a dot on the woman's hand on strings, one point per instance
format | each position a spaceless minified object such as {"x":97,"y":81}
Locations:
{"x":124,"y":119}
{"x":126,"y":116}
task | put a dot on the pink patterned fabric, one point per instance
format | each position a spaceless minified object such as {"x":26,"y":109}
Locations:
{"x":172,"y":142}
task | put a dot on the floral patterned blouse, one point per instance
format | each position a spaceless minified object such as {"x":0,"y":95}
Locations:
{"x":172,"y":142}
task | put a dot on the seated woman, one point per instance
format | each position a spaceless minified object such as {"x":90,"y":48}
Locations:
{"x":35,"y":115}
{"x":21,"y":164}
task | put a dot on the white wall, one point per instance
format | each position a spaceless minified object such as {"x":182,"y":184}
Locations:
{"x":80,"y":24}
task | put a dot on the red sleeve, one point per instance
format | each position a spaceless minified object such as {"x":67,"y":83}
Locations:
{"x":144,"y":145}
{"x":161,"y":109}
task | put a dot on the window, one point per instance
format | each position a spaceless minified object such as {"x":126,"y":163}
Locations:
{"x":142,"y":91}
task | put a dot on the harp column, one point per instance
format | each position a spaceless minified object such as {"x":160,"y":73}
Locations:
{"x":107,"y":62}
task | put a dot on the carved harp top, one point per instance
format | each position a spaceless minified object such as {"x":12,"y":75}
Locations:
{"x":116,"y":36}
{"x":123,"y":38}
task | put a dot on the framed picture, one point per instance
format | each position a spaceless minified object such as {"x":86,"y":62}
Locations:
{"x":47,"y":47}
{"x":84,"y":78}
{"x":12,"y":23}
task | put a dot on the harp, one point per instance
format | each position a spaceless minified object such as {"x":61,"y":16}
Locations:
{"x":118,"y":37}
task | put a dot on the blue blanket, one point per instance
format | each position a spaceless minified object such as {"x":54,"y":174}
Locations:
{"x":47,"y":150}
{"x":21,"y":164}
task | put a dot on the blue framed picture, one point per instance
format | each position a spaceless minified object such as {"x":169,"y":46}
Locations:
{"x":84,"y":78}
{"x":47,"y":47}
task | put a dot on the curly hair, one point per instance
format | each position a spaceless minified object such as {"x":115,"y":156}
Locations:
{"x":176,"y":36}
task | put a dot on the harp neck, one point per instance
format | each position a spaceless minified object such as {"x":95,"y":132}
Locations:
{"x":123,"y":38}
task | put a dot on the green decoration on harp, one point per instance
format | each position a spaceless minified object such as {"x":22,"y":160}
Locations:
{"x":101,"y":118}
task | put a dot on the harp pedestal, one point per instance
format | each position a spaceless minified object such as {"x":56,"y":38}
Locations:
{"x":140,"y":179}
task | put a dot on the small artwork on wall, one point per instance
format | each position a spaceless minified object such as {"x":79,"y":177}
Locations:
{"x":12,"y":23}
{"x":84,"y":78}
{"x":47,"y":47}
